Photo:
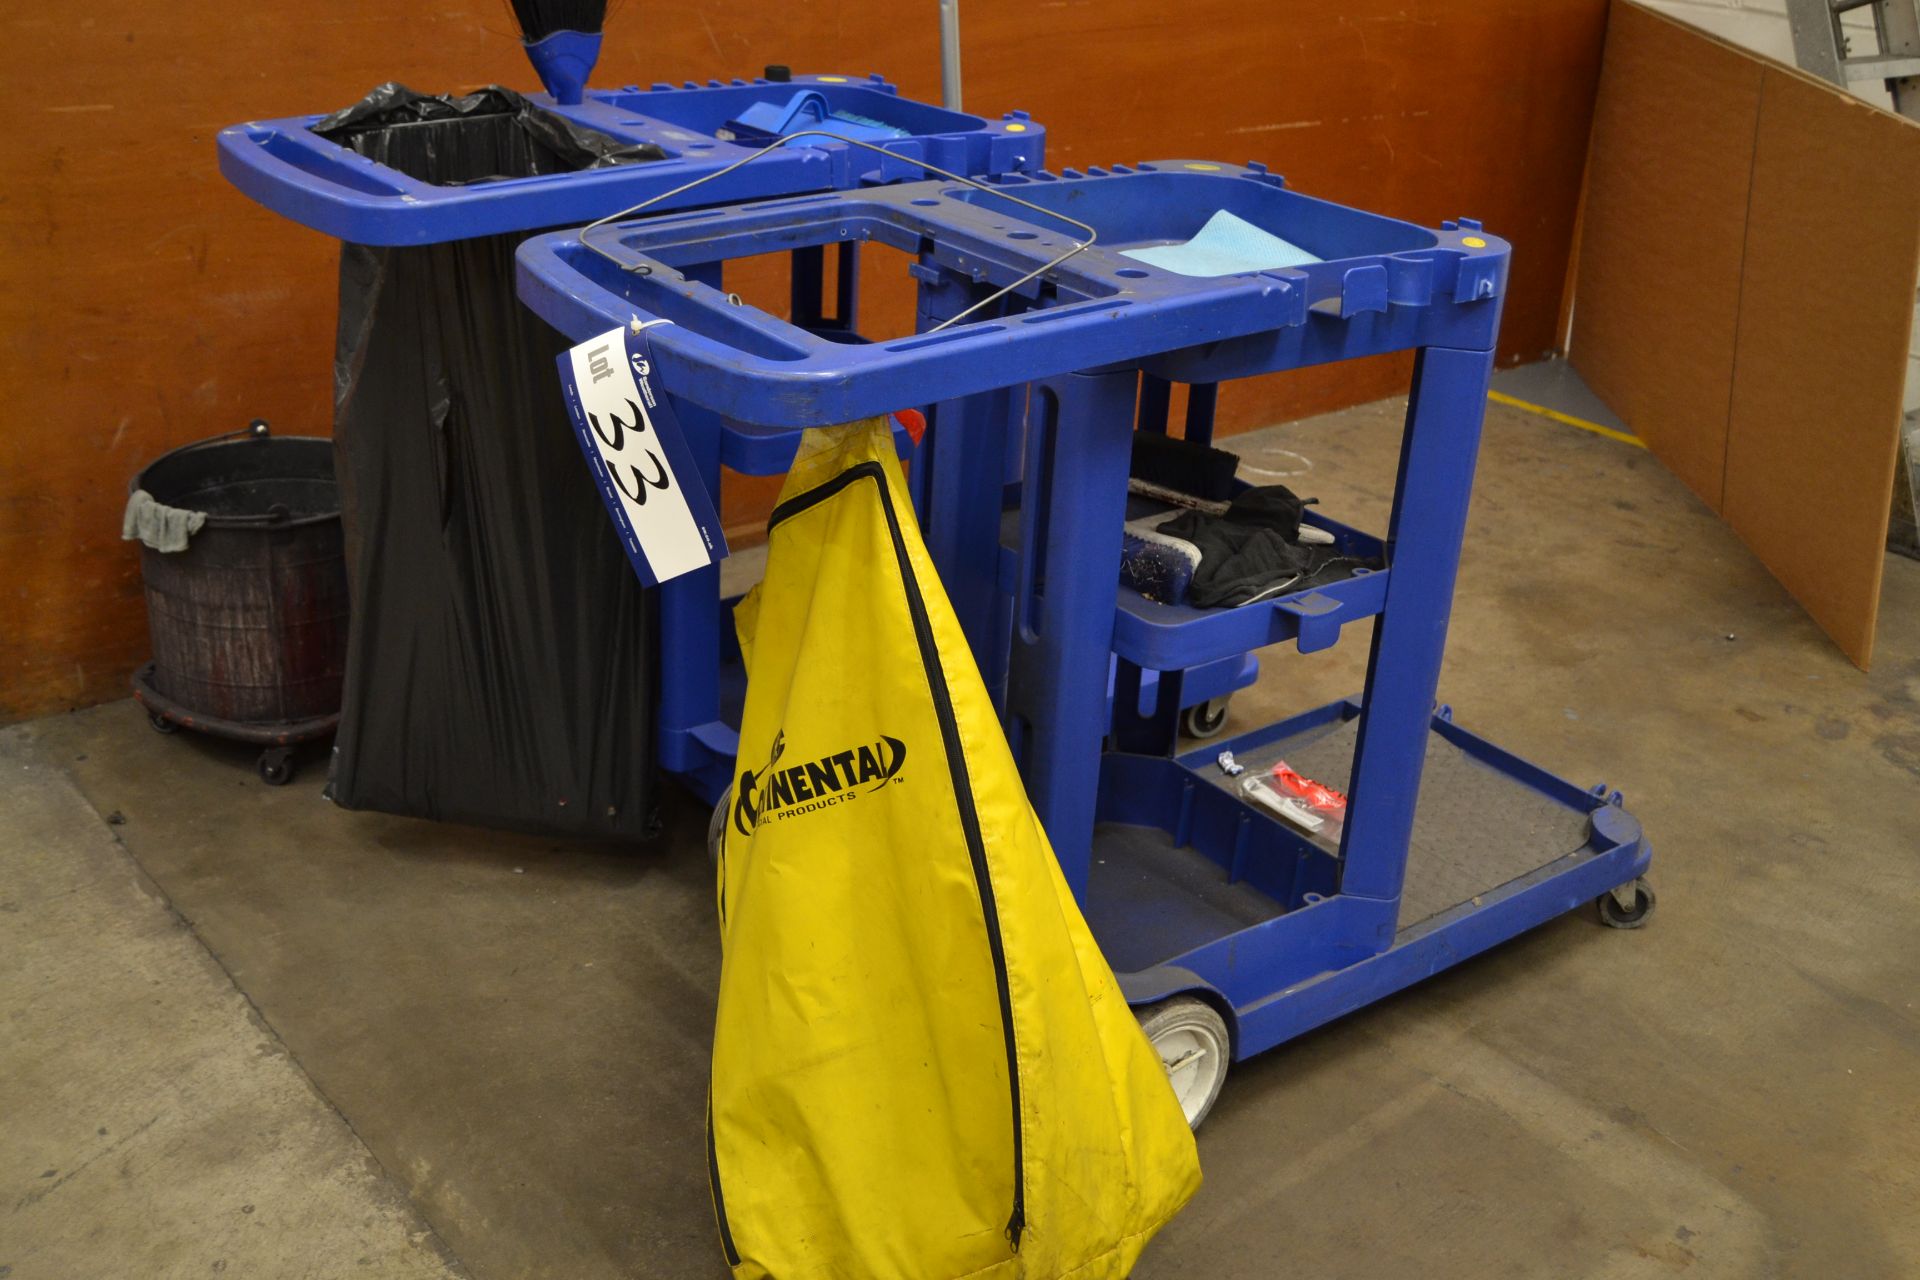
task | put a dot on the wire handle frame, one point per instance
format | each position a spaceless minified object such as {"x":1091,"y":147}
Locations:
{"x":1091,"y":235}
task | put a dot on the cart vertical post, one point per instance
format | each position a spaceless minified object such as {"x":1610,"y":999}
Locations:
{"x":964,"y":460}
{"x":702,"y":745}
{"x":958,"y":484}
{"x":1431,"y":495}
{"x":1075,"y":495}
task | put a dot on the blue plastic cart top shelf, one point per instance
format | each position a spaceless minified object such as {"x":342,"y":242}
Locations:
{"x":1378,"y":285}
{"x":318,"y":183}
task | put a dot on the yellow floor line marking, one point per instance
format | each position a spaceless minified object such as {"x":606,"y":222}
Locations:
{"x":1501,"y":397}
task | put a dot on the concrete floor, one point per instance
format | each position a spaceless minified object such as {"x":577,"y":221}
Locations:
{"x":1556,"y":385}
{"x":517,"y":1029}
{"x":153,"y":1125}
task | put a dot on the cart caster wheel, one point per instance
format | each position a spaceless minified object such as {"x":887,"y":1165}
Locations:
{"x":1615,"y":916}
{"x":1191,"y":1039}
{"x":161,"y":724}
{"x":717,"y":826}
{"x":1205,"y":720}
{"x":276,"y":766}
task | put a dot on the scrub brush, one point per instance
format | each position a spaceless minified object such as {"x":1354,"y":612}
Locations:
{"x":1196,"y":476}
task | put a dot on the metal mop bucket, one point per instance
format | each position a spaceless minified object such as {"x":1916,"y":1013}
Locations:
{"x":249,"y":620}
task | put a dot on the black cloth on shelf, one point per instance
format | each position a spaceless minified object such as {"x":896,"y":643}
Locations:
{"x":1270,"y":506}
{"x":1250,"y":553}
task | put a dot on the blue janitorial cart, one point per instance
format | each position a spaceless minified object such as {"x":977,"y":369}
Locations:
{"x":1233,"y":929}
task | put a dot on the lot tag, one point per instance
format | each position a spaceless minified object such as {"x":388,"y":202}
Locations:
{"x":633,"y":443}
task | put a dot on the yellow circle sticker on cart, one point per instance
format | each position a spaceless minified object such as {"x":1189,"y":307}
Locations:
{"x":1474,"y":242}
{"x":1016,"y":128}
{"x":1205,"y":168}
{"x":833,"y":79}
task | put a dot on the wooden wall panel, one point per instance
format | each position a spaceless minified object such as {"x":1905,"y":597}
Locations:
{"x":144,"y":304}
{"x":1833,"y":249}
{"x":1656,"y":299}
{"x":1744,"y":295}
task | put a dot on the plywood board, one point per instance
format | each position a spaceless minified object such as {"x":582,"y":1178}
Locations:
{"x":1657,"y":288}
{"x":1743,"y":297}
{"x":1832,"y":252}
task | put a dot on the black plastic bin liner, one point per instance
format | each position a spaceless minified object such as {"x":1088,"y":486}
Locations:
{"x":501,"y":664}
{"x":483,"y":136}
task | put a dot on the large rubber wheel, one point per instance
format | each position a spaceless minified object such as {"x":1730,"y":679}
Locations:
{"x":1615,"y":916}
{"x":1191,"y":1039}
{"x":1205,"y":720}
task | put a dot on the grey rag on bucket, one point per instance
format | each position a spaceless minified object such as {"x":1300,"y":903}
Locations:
{"x":161,"y":527}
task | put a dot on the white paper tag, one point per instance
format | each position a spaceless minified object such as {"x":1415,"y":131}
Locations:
{"x":634,"y":442}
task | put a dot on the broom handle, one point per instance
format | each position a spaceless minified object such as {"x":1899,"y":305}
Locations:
{"x":950,"y":54}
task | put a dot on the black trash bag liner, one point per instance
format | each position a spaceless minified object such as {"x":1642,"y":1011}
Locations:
{"x":501,"y":665}
{"x":484,"y":136}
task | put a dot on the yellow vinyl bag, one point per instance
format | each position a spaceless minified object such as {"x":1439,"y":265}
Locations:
{"x":922,"y":1067}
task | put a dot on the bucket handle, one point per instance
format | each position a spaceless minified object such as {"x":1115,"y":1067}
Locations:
{"x":279,"y":512}
{"x":258,"y":429}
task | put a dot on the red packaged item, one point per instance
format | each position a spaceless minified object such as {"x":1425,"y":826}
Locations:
{"x":1323,"y":800}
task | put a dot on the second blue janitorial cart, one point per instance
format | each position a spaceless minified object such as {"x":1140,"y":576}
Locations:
{"x":1049,"y":316}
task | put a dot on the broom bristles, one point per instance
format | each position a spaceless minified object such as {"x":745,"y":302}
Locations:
{"x":539,"y":19}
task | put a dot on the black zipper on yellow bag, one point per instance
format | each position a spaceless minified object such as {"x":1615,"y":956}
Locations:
{"x":713,"y":1157}
{"x":719,"y":1200}
{"x":963,"y":798}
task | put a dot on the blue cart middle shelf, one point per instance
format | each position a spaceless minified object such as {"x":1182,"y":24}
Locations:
{"x":1197,"y":894}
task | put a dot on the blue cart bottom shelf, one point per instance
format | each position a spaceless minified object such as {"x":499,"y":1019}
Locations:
{"x":1193,"y":888}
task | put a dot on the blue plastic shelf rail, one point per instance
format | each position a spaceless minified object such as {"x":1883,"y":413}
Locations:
{"x":1450,"y":845}
{"x":294,"y":171}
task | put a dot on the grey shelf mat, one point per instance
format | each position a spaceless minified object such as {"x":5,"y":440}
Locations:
{"x":1149,"y":900}
{"x":1474,"y":828}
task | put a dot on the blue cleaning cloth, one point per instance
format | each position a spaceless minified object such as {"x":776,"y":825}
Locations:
{"x":809,"y":109}
{"x":1226,"y":246}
